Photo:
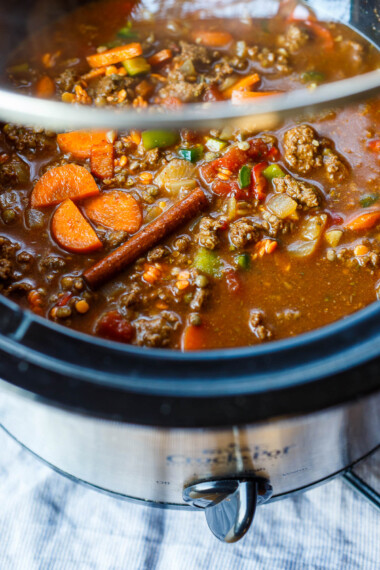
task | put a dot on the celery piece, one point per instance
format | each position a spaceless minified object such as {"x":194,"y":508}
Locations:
{"x":243,"y":261}
{"x":19,"y":68}
{"x":215,"y":145}
{"x":136,"y":66}
{"x":160,"y":139}
{"x":273,"y":171}
{"x":192,"y":154}
{"x":208,"y":262}
{"x":244,"y":177}
{"x":114,"y":43}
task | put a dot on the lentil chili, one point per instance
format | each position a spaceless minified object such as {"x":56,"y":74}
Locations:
{"x":282,"y":234}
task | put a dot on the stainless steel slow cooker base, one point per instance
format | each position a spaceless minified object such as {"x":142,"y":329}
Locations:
{"x":227,"y":472}
{"x":156,"y":464}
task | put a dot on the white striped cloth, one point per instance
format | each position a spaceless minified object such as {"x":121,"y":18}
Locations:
{"x":50,"y":523}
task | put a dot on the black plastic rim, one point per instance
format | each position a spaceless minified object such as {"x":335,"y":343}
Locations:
{"x":303,"y":374}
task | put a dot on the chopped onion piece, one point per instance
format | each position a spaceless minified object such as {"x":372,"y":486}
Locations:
{"x":333,"y":237}
{"x":177,"y":185}
{"x":228,"y":82}
{"x":187,"y":68}
{"x":302,"y":248}
{"x":282,"y":205}
{"x":231,"y":207}
{"x":111,"y":136}
{"x":313,"y":227}
{"x":175,"y":175}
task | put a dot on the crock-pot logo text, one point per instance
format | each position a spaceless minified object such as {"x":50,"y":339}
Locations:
{"x":229,"y":455}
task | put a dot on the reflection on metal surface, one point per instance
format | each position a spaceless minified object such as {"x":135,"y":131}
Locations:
{"x":265,"y":114}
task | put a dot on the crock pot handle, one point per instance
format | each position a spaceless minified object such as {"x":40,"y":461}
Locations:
{"x":229,"y":505}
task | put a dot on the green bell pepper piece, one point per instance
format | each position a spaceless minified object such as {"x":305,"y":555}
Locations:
{"x":160,"y":139}
{"x":136,"y":66}
{"x":244,"y":177}
{"x":313,"y":77}
{"x":192,"y":154}
{"x":273,"y":171}
{"x":208,"y":262}
{"x":368,"y":200}
{"x":126,"y":32}
{"x":243,"y":261}
{"x":215,"y":145}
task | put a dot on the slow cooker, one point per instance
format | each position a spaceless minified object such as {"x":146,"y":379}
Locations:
{"x":219,"y":430}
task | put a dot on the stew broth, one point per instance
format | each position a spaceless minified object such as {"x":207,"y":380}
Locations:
{"x":289,"y":237}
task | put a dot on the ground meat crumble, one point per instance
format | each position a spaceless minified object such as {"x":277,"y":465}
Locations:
{"x":274,"y":225}
{"x":208,"y":232}
{"x":293,"y":39}
{"x":302,"y":149}
{"x":301,"y":192}
{"x":156,"y":331}
{"x":243,"y":231}
{"x":336,"y":170}
{"x":256,"y":324}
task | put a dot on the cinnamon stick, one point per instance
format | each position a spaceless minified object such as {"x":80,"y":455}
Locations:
{"x":145,"y":239}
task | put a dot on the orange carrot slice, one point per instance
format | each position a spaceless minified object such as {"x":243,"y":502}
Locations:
{"x":241,"y":97}
{"x":102,"y":160}
{"x":115,"y":55}
{"x":212,"y":39}
{"x":116,"y":210}
{"x":45,"y":87}
{"x":194,"y":338}
{"x":80,"y":143}
{"x":265,"y":246}
{"x":244,"y":84}
{"x":374,"y":145}
{"x":94,"y":73}
{"x":72,"y":231}
{"x":67,"y":181}
{"x":160,"y":57}
{"x":363,"y":221}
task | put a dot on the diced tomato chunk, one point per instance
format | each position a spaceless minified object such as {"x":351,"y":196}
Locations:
{"x":273,"y":154}
{"x":233,"y":282}
{"x":209,"y":170}
{"x":225,"y":187}
{"x":259,"y":181}
{"x":258,"y":149}
{"x":114,"y":326}
{"x":322,"y":33}
{"x":212,"y":94}
{"x":335,"y":219}
{"x":233,"y":159}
